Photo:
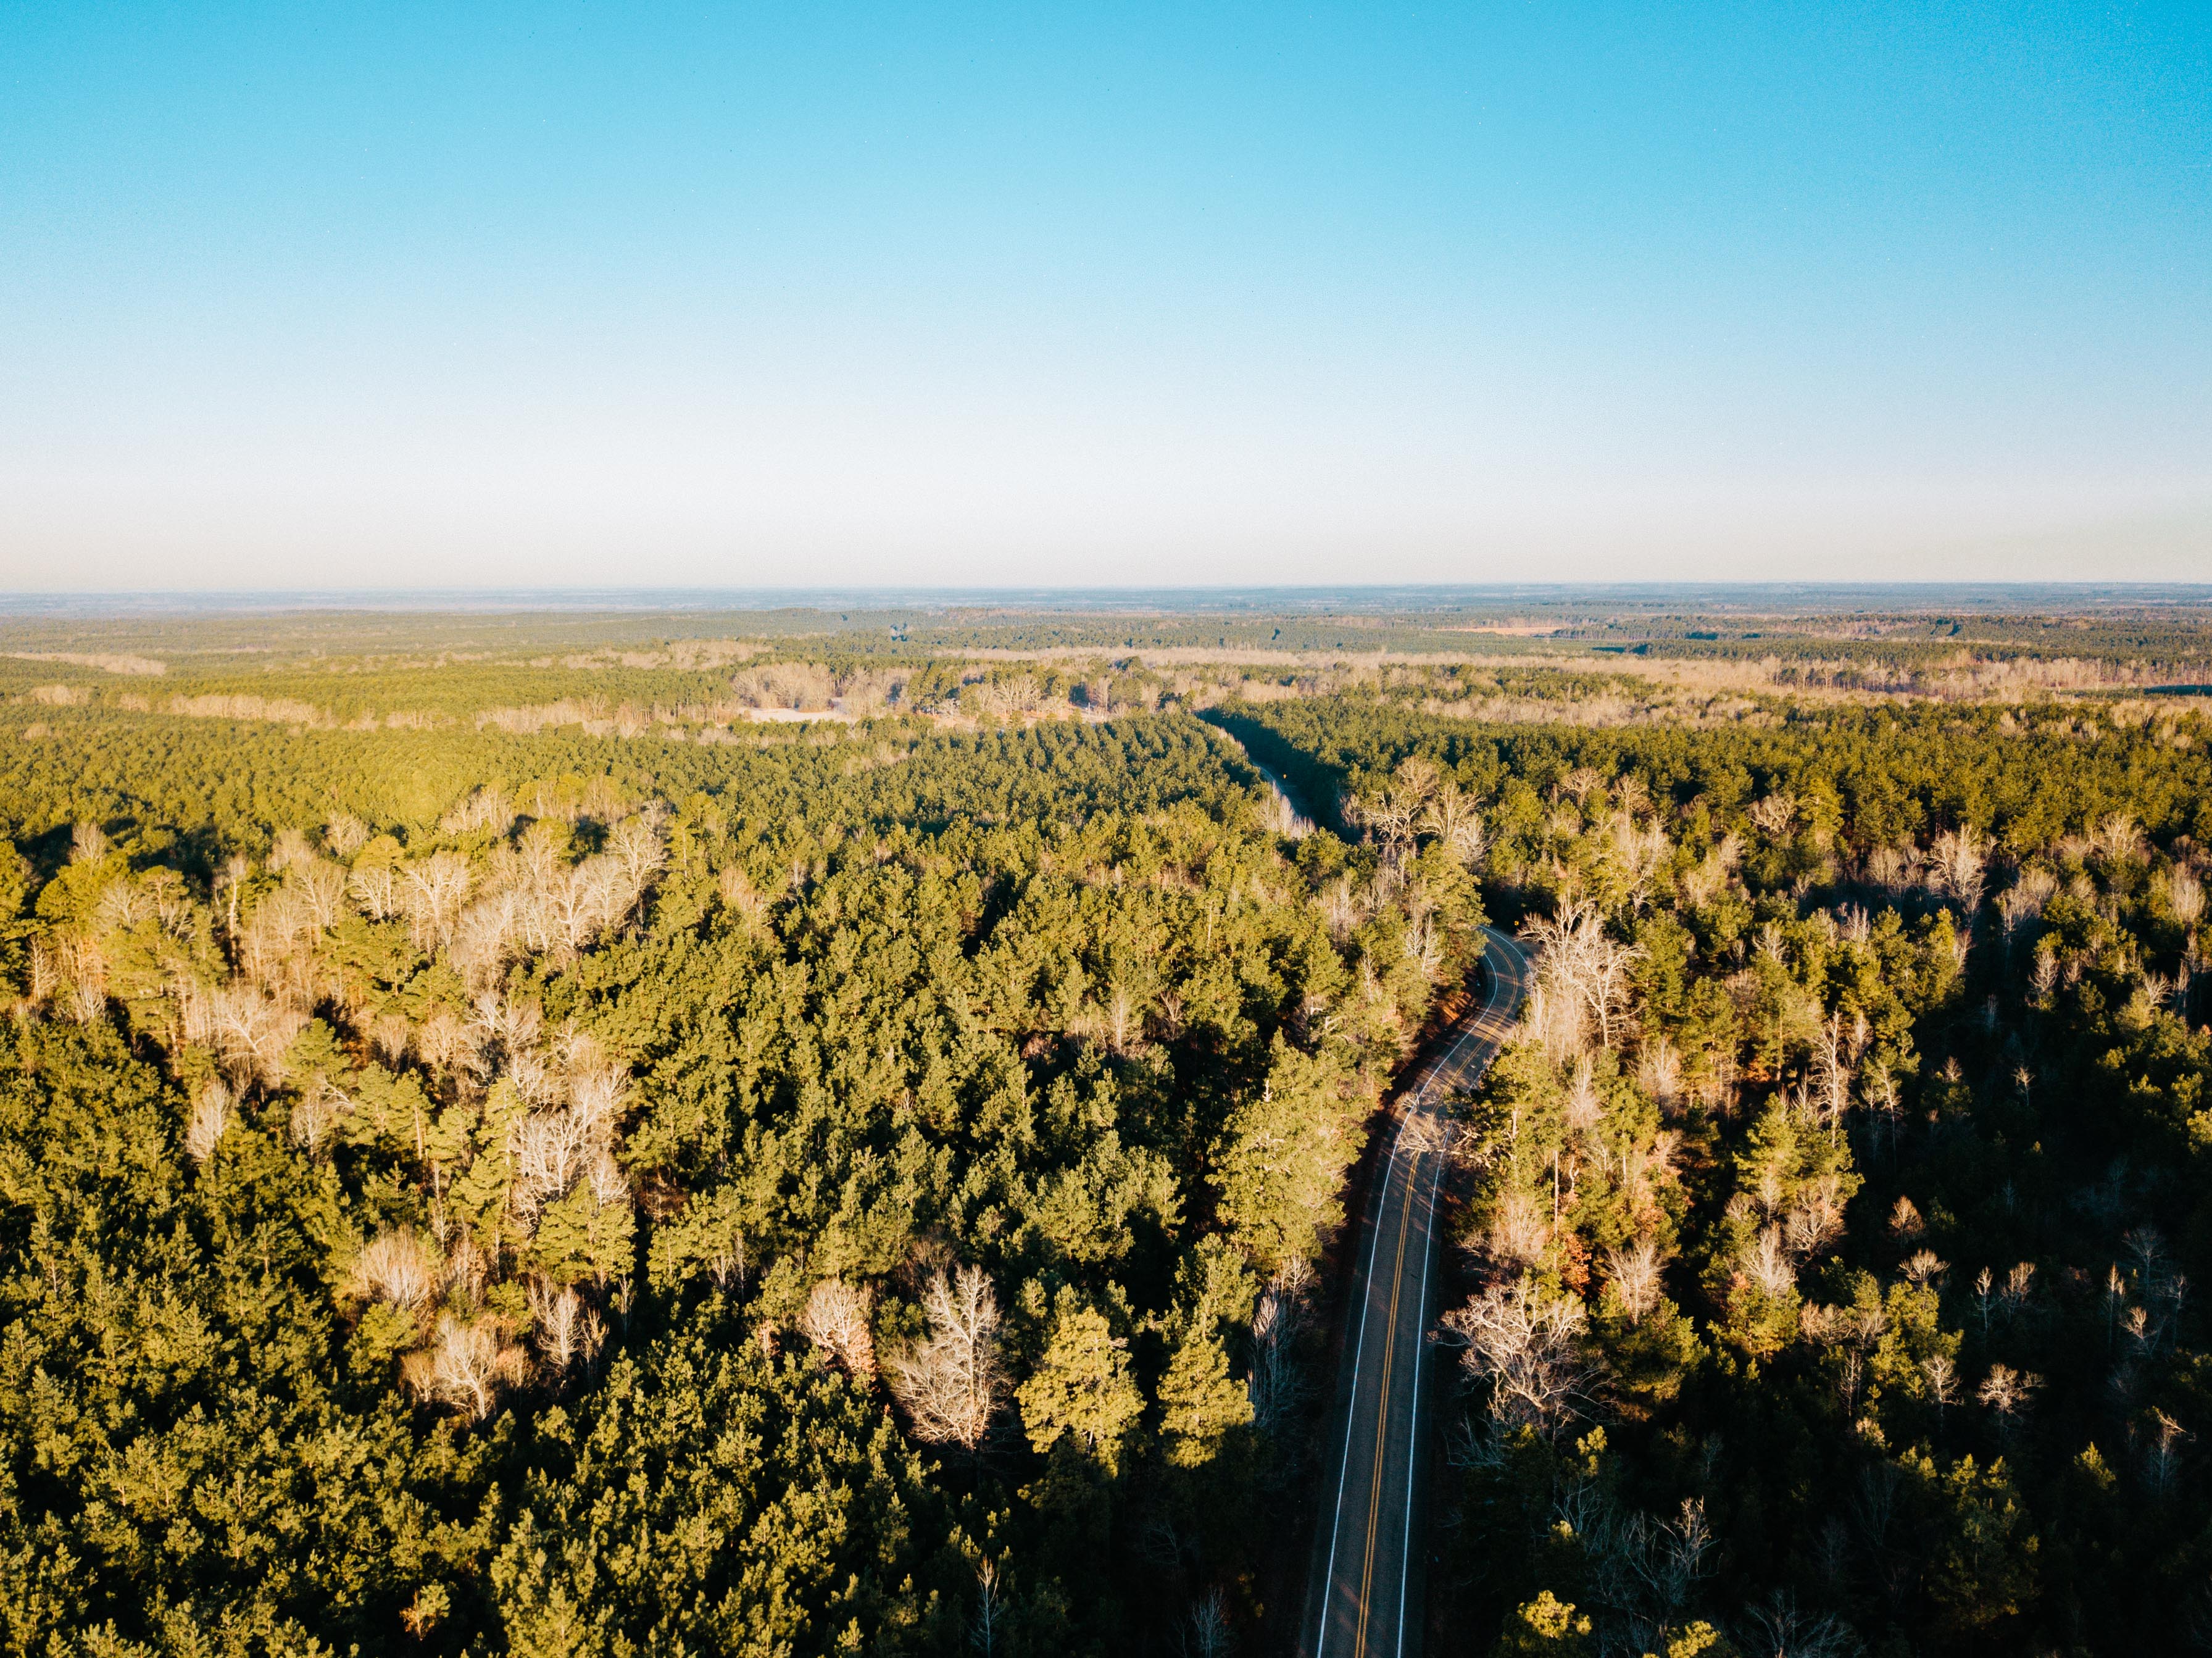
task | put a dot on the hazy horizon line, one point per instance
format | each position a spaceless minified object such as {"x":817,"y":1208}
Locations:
{"x":1936,"y":593}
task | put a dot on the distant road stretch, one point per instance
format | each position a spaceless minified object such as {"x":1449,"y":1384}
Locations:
{"x":1366,"y":1597}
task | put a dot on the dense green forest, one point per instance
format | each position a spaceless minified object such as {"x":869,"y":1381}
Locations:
{"x":575,"y":1170}
{"x":1831,"y":1227}
{"x":544,"y":1195}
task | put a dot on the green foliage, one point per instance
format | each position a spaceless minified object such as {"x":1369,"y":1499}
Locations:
{"x":469,"y":1128}
{"x":1858,"y":1121}
{"x":193,"y":1454}
{"x":1546,"y":1625}
{"x":422,"y":1140}
{"x":1200,"y":1402}
{"x":1280,"y":1158}
{"x":705,"y":1497}
{"x":1080,"y":1388}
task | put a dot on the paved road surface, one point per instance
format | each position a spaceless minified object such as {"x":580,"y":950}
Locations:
{"x":1366,"y":1597}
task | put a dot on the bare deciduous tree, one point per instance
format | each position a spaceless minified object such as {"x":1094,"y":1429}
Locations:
{"x":1456,"y":820}
{"x":1890,"y":868}
{"x":2006,"y":1391}
{"x":1120,"y":1012}
{"x":444,"y":1042}
{"x":1775,"y":815}
{"x":318,"y":1108}
{"x":739,"y":898}
{"x":1527,"y":1345}
{"x":1904,"y":1221}
{"x":1518,"y":1234}
{"x":1584,"y":1110}
{"x":1659,"y":1071}
{"x":2021,"y":903}
{"x":568,"y":1328}
{"x":637,"y":850}
{"x":321,"y":887}
{"x":2119,"y":838}
{"x":70,"y":969}
{"x":1634,"y":1274}
{"x":990,"y":1609}
{"x":211,"y":1120}
{"x":121,"y":908}
{"x":1343,"y":906}
{"x":2183,"y":894}
{"x":1767,"y":1262}
{"x":836,"y":1321}
{"x":1389,"y":815}
{"x":172,"y":901}
{"x":465,"y":1366}
{"x":1639,"y":851}
{"x":2159,"y":1461}
{"x":548,"y":1150}
{"x":1205,"y":1631}
{"x":400,"y":1267}
{"x":1942,"y":1378}
{"x":951,"y":1382}
{"x":1815,"y":1220}
{"x":1556,"y":1018}
{"x":597,"y":1093}
{"x":1643,"y":1569}
{"x":1923,"y":1267}
{"x":345,"y":835}
{"x":288,"y":848}
{"x":1777,"y":1629}
{"x":1275,"y":1385}
{"x":430,"y":893}
{"x":485,"y":808}
{"x":1958,"y":858}
{"x":248,"y":1028}
{"x":1581,"y":965}
{"x":1702,"y":884}
{"x":376,"y":889}
{"x":1838,"y":1049}
{"x":2043,"y":978}
{"x":487,"y":936}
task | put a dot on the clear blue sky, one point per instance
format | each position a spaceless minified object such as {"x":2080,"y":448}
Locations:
{"x":387,"y":295}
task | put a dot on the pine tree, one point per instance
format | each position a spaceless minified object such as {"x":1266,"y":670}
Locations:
{"x":1280,"y":1158}
{"x":1200,"y":1402}
{"x":1081,"y":1386}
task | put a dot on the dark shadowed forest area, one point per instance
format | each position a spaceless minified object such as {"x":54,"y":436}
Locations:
{"x":829,"y":1133}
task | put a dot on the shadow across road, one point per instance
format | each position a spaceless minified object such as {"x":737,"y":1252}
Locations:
{"x":1366,"y":1595}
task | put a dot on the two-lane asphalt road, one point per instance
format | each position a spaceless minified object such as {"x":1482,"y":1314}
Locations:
{"x":1366,"y":1597}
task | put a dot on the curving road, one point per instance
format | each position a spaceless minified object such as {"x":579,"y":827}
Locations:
{"x":1366,"y":1598}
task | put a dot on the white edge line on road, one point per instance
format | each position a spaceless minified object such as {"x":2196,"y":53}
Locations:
{"x":1359,"y":1348}
{"x":1413,"y":1433}
{"x":1414,"y":1429}
{"x":1359,"y":1351}
{"x":1352,"y":1405}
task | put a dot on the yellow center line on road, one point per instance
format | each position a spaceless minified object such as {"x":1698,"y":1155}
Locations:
{"x":1382,"y":1418}
{"x":1486,"y":1030}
